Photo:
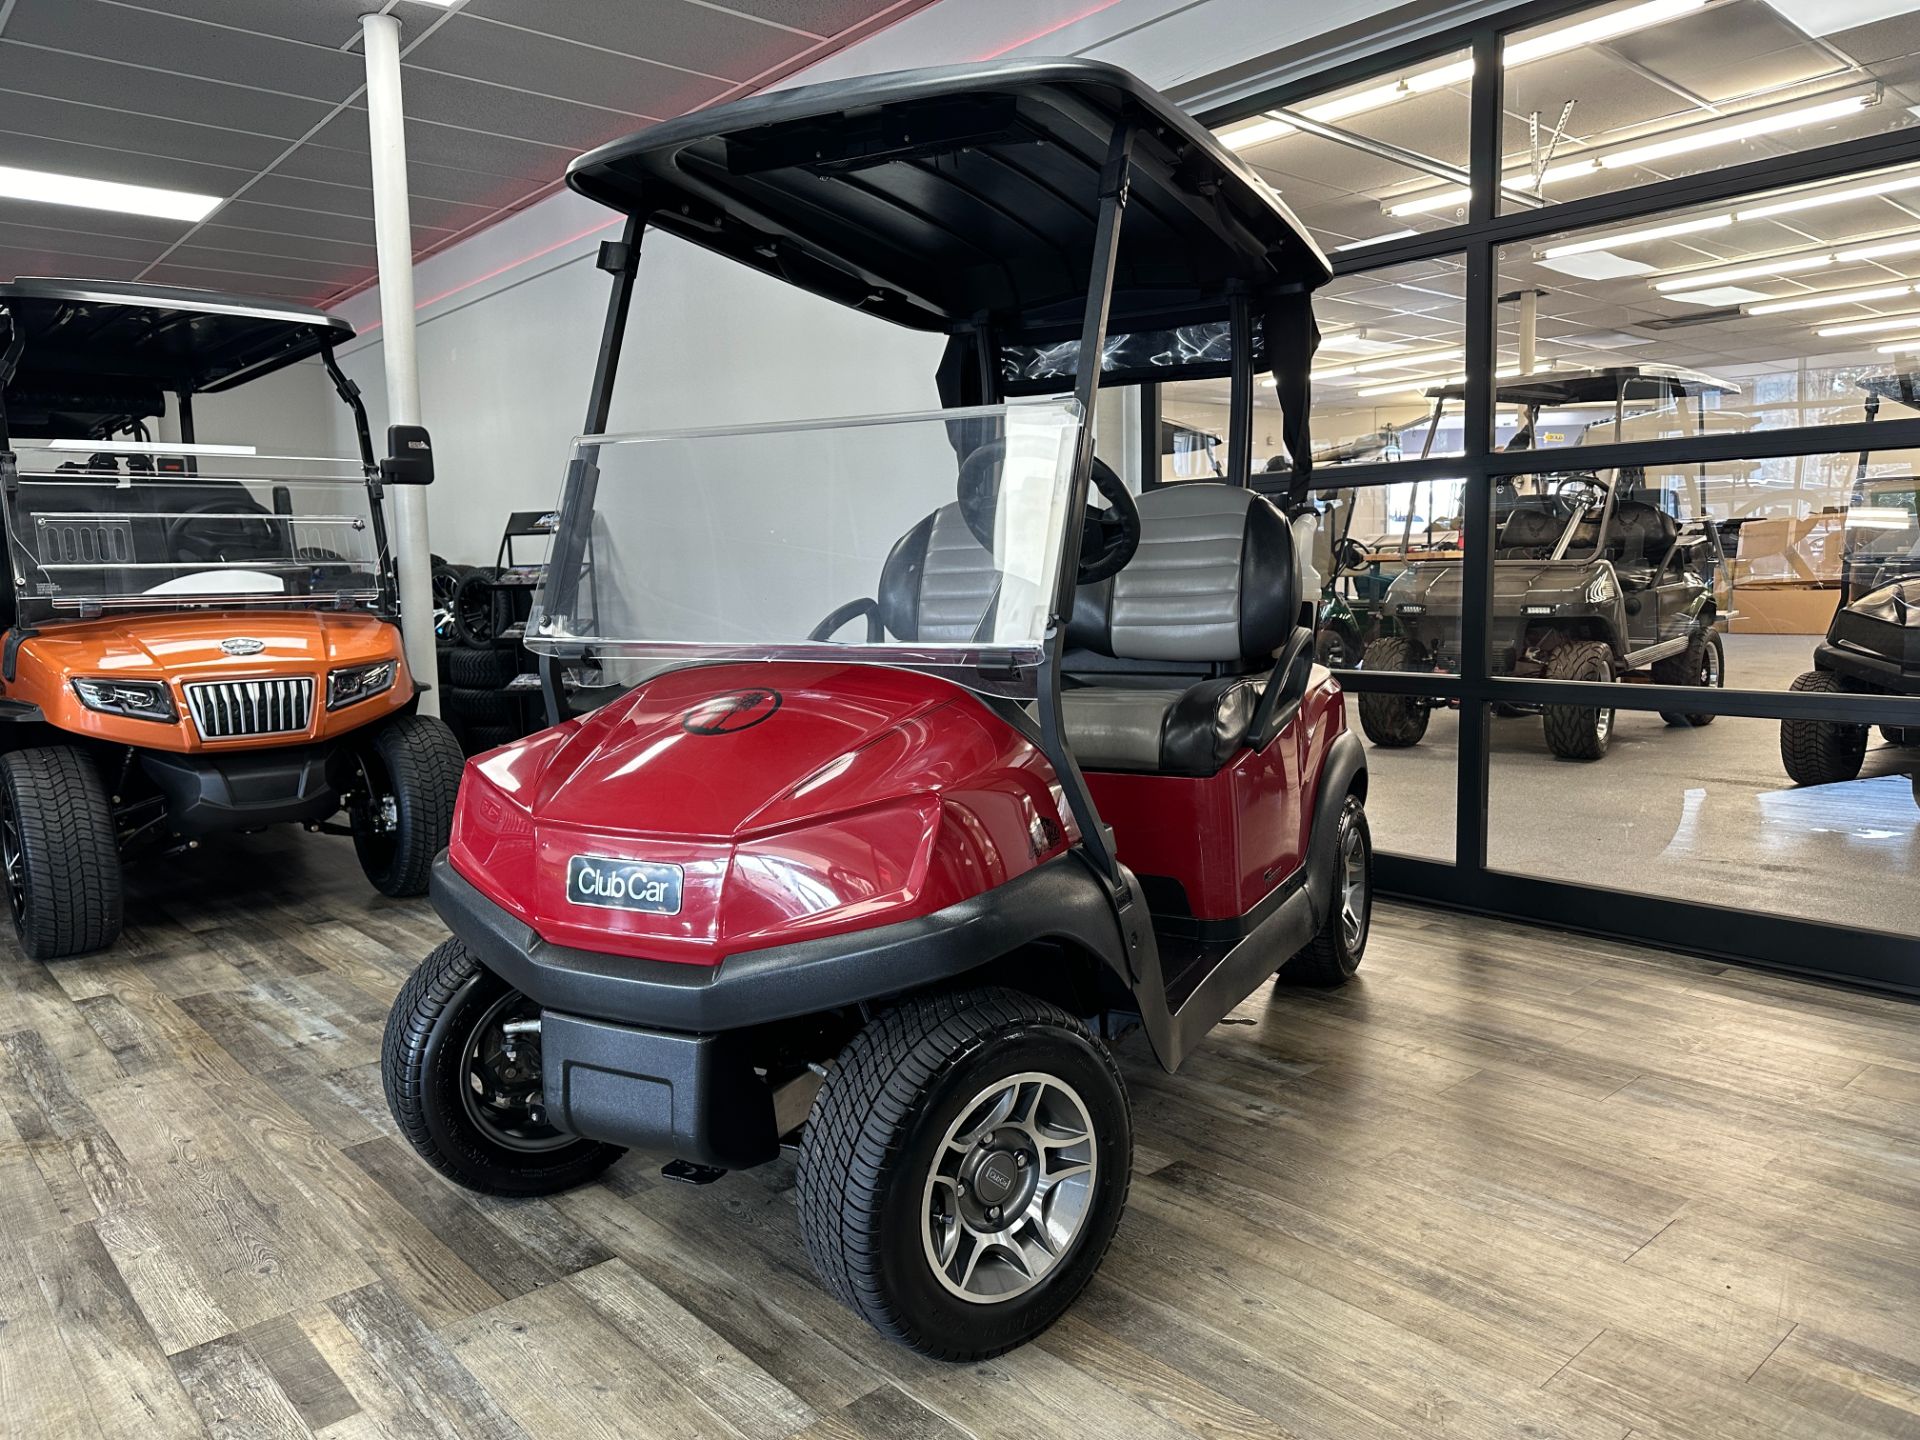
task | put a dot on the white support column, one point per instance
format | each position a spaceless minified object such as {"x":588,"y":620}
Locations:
{"x":393,"y":238}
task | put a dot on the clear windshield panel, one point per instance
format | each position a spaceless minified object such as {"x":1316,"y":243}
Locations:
{"x":930,"y":541}
{"x":151,"y":527}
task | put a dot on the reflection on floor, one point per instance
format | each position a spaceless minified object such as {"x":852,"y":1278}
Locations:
{"x":1705,"y":814}
{"x":1507,"y":1183}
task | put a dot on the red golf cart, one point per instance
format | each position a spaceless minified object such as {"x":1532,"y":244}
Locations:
{"x":940,"y":757}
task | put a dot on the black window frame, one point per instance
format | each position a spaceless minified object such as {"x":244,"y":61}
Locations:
{"x":1854,"y":955}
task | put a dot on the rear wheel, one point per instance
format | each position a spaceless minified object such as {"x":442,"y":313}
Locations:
{"x":964,"y":1169}
{"x":1579,"y":732}
{"x":461,"y":1068}
{"x":473,"y":618}
{"x":60,"y":851}
{"x":1821,"y":752}
{"x":1702,"y":663}
{"x":402,"y":814}
{"x":446,"y":584}
{"x":1331,"y":957}
{"x":1393,"y":722}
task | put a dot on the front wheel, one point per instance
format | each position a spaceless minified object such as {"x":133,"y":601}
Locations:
{"x":61,"y":852}
{"x":1393,"y":722}
{"x":1702,"y":663}
{"x":964,"y":1170}
{"x":1332,"y":956}
{"x":460,"y":1063}
{"x":1821,"y":752}
{"x":1579,"y":732}
{"x":402,"y":810}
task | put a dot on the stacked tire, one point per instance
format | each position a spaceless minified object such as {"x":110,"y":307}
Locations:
{"x":475,"y":665}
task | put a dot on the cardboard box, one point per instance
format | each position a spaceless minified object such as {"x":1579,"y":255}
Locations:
{"x":1809,"y":550}
{"x":1782,"y":610}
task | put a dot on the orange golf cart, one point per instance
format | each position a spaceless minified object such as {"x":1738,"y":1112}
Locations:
{"x":197,"y":637}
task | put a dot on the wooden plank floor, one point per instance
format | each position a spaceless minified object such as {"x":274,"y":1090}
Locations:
{"x":1509,"y":1183}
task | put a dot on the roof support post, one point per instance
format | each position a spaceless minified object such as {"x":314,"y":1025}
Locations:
{"x":393,"y":238}
{"x":1240,"y":392}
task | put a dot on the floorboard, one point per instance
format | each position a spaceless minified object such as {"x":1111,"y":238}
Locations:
{"x":1508,"y":1183}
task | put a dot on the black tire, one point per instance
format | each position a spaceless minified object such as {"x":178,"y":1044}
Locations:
{"x":414,"y":761}
{"x":1821,"y":752}
{"x":60,"y":852}
{"x":481,"y":669}
{"x":1579,"y":732}
{"x":1393,"y":722}
{"x":473,"y":618}
{"x":1337,"y":647}
{"x":1702,"y":663}
{"x":479,"y":738}
{"x":1334,"y":953}
{"x":880,"y":1124}
{"x":427,"y":1063}
{"x":494,"y":709}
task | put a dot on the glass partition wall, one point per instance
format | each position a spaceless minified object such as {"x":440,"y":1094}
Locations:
{"x":1616,"y":423}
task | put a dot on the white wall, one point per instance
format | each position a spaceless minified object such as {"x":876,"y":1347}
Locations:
{"x":509,"y":320}
{"x":293,"y":412}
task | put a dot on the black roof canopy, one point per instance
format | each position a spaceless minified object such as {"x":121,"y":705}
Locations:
{"x":1607,"y":384}
{"x":946,"y":197}
{"x":97,"y":354}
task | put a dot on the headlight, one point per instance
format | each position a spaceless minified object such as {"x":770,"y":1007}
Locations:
{"x":1412,"y":609}
{"x":140,"y":699}
{"x":360,"y":682}
{"x":1601,"y":590}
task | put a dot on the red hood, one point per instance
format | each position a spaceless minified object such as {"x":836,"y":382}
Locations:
{"x":797,"y":799}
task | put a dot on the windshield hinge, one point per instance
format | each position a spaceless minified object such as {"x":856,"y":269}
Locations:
{"x":617,"y":257}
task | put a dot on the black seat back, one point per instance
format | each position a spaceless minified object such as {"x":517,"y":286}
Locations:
{"x":1530,"y":533}
{"x":938,"y":582}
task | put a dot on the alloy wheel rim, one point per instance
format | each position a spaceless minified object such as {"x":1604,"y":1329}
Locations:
{"x":1010,"y":1188}
{"x":1602,"y":725}
{"x":1353,"y":890}
{"x":13,"y":858}
{"x":500,"y":1082}
{"x":1710,"y":669}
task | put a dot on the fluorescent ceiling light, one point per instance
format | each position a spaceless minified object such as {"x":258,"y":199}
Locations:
{"x":1719,"y":297}
{"x":1395,"y":361}
{"x":1908,"y":321}
{"x":1421,"y":384}
{"x":1376,"y":240}
{"x":1878,"y":252}
{"x":1899,"y":347}
{"x":144,"y":447}
{"x":1426,"y":204}
{"x":47,"y":188}
{"x":1641,"y":237}
{"x":1830,"y":197}
{"x":1698,"y":279}
{"x":1830,"y":297}
{"x":1458,"y":72}
{"x":1705,"y":137}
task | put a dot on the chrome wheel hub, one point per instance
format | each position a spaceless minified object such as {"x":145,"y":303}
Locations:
{"x":1010,"y":1188}
{"x":1353,"y":890}
{"x":1602,"y":725}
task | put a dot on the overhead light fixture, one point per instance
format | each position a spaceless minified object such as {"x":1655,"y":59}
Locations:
{"x":1638,"y":237}
{"x":1419,"y":385}
{"x":1878,"y":252}
{"x":1376,"y":240}
{"x":1899,"y":347}
{"x":1705,"y":137}
{"x":1426,"y":204}
{"x":1396,"y":361}
{"x":1706,"y":279}
{"x":1458,"y":72}
{"x":1831,"y":197}
{"x":47,"y":188}
{"x":1907,"y":321}
{"x":1821,"y":298}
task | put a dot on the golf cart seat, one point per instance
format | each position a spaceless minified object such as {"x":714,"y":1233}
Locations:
{"x":1529,"y":533}
{"x":1642,"y":537}
{"x":1170,"y":659}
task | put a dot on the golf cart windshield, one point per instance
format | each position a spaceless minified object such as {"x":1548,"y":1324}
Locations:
{"x":927,"y":541}
{"x":94,"y":526}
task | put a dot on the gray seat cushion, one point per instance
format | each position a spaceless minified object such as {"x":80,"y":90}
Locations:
{"x":1188,"y":731}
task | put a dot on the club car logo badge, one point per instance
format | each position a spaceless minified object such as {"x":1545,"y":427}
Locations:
{"x":243,"y":645}
{"x":623,"y":884}
{"x":732,"y":712}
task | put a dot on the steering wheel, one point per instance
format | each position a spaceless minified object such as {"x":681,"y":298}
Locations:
{"x":1108,"y":537}
{"x":195,"y":541}
{"x":1350,"y":555}
{"x":1582,"y":489}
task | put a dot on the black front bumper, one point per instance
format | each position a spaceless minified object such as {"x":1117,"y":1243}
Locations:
{"x":1866,"y":671}
{"x":660,"y":1055}
{"x":249,"y":789}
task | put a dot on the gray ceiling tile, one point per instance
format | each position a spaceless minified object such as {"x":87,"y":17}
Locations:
{"x":277,"y":219}
{"x":312,"y":272}
{"x":107,"y":247}
{"x":59,"y":264}
{"x":96,"y":124}
{"x":101,"y":162}
{"x":435,"y":182}
{"x":452,"y":146}
{"x":317,"y":22}
{"x":671,"y":31}
{"x":99,"y":222}
{"x":185,"y":47}
{"x":533,"y":62}
{"x":315,"y":195}
{"x":273,"y":244}
{"x":33,"y":71}
{"x":215,"y":279}
{"x":451,"y":100}
{"x":820,"y":17}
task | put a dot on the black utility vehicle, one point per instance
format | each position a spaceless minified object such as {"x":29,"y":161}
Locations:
{"x":1873,"y":645}
{"x":1598,"y":574}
